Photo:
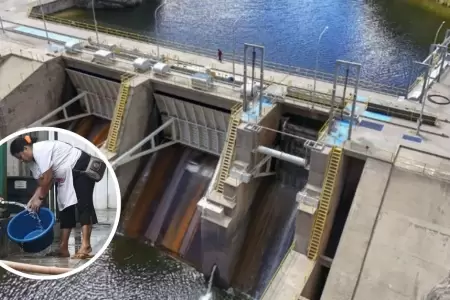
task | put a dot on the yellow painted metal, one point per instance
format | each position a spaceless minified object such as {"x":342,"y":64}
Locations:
{"x":321,"y":215}
{"x":230,"y":142}
{"x":322,"y":131}
{"x":122,"y":99}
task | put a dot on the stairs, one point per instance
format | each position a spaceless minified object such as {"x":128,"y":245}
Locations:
{"x":324,"y":203}
{"x":119,"y":111}
{"x":225,"y":165}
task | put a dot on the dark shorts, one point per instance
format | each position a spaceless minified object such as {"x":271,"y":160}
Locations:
{"x":84,"y":188}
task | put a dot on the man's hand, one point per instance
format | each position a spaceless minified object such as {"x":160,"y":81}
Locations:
{"x":34,"y":204}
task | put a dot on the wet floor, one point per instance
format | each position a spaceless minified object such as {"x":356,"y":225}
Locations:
{"x":127,"y":270}
{"x":100,"y":234}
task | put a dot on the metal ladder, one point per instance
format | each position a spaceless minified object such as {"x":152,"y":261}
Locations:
{"x":119,"y":111}
{"x":324,"y":203}
{"x":235,"y":120}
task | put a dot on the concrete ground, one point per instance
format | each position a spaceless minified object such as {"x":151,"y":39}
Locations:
{"x":394,"y":245}
{"x":100,"y":234}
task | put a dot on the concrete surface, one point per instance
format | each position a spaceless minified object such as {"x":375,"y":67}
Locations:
{"x":100,"y":234}
{"x":290,"y":279}
{"x":412,"y":234}
{"x":400,"y":251}
{"x":14,"y":70}
{"x":33,"y":94}
{"x":349,"y":257}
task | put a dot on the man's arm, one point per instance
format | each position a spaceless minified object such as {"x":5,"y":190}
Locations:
{"x":45,"y":182}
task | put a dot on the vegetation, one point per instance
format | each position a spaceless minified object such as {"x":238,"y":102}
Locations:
{"x":440,"y":7}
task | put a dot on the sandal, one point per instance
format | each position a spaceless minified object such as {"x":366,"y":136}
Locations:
{"x":82,"y":255}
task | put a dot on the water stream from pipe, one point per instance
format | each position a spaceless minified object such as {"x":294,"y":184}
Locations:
{"x":4,"y":202}
{"x":31,"y":213}
{"x":208,"y":294}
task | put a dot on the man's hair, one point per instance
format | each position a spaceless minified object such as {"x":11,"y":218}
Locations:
{"x":19,"y":143}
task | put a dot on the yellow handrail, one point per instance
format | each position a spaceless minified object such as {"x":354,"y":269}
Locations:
{"x":326,"y":196}
{"x":119,"y":111}
{"x":229,"y":146}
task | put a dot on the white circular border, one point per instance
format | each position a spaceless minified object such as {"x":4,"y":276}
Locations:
{"x":118,"y":199}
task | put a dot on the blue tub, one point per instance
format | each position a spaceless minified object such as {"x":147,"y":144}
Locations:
{"x":25,"y":231}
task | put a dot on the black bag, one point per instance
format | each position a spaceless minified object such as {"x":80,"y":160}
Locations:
{"x":95,"y":169}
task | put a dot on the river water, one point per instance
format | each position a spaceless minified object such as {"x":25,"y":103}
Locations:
{"x":128,"y":270}
{"x":384,"y":35}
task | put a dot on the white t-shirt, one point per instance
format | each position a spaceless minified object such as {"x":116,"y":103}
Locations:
{"x":61,"y":158}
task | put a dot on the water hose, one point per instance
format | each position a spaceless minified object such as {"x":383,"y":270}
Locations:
{"x":28,"y":268}
{"x":432,"y":99}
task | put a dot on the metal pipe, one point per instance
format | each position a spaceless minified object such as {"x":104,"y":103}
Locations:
{"x":437,"y":32}
{"x":244,"y":101}
{"x":281,"y":155}
{"x":345,"y":84}
{"x":355,"y":95}
{"x":234,"y":46}
{"x":253,"y":71}
{"x":333,"y":96}
{"x":95,"y":23}
{"x":1,"y":24}
{"x":411,"y":72}
{"x":441,"y":67}
{"x":261,"y":81}
{"x":317,"y":57}
{"x":36,"y":268}
{"x":423,"y":97}
{"x":43,"y":19}
{"x":156,"y":26}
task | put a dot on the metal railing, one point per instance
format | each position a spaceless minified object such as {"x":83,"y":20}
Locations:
{"x":286,"y":69}
{"x":439,"y":171}
{"x":184,"y":80}
{"x":119,"y":111}
{"x":433,"y":59}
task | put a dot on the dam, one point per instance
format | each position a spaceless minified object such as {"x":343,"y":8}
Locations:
{"x":287,"y":191}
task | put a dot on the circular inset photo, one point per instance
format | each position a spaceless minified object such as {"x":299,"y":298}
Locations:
{"x":59,"y":203}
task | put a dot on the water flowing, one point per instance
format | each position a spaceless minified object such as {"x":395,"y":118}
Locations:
{"x":208,"y":294}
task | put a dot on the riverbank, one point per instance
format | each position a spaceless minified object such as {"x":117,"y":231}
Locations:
{"x":439,"y":7}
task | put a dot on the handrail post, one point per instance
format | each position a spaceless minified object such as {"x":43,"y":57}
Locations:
{"x":423,"y":96}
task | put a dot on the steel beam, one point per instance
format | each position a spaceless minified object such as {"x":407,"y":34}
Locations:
{"x":348,"y":64}
{"x":131,"y":154}
{"x":261,"y":79}
{"x":423,"y":95}
{"x":63,"y":108}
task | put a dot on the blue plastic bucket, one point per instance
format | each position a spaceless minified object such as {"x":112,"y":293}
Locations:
{"x":25,"y":231}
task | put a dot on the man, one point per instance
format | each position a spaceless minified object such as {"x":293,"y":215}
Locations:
{"x":219,"y":54}
{"x":63,"y":164}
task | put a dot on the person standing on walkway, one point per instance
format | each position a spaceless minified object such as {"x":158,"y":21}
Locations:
{"x":219,"y":54}
{"x":66,"y":166}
